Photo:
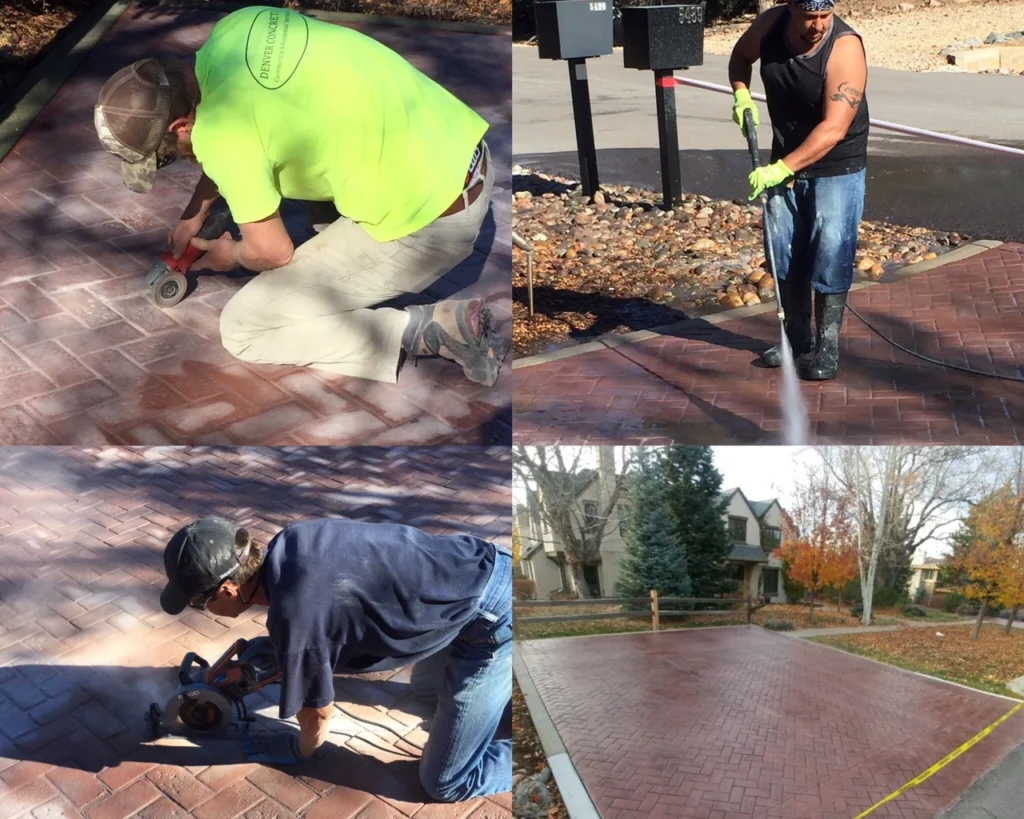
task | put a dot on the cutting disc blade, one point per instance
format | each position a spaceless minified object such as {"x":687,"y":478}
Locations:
{"x":199,"y":710}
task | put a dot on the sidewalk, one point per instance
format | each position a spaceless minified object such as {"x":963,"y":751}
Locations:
{"x":85,"y":647}
{"x":697,"y":382}
{"x":85,"y":356}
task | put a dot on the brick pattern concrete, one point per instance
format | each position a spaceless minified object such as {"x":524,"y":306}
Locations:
{"x":85,"y":647}
{"x":87,"y":359}
{"x":699,"y":384}
{"x":740,"y":723}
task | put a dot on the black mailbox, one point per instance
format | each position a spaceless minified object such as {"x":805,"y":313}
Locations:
{"x":659,"y":38}
{"x":573,"y":29}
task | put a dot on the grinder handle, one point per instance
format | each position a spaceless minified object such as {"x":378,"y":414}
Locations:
{"x":751,"y":134}
{"x":212,"y":229}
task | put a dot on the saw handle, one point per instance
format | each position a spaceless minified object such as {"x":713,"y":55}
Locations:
{"x":751,"y":134}
{"x":185,"y":669}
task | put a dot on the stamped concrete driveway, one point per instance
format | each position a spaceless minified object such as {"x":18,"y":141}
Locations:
{"x":85,"y":647}
{"x":698,"y":382}
{"x":86,"y":358}
{"x":740,"y":722}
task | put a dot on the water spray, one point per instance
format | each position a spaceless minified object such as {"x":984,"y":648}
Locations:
{"x":794,"y":413}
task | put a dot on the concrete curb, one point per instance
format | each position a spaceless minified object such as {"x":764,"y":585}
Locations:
{"x":611,"y":341}
{"x":46,"y":79}
{"x":574,"y":794}
{"x":331,"y":16}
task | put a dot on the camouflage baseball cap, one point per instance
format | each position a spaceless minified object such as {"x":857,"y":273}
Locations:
{"x":131,"y":118}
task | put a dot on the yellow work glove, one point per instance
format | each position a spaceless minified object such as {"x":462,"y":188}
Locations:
{"x":743,"y":101}
{"x":767,"y":176}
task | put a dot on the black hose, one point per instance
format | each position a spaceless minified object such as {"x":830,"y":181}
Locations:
{"x":935,"y":361}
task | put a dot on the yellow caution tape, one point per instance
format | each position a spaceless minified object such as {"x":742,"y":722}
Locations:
{"x":942,"y":763}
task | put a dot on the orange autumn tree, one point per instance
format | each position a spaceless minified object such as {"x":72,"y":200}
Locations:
{"x":993,"y":561}
{"x":819,"y":537}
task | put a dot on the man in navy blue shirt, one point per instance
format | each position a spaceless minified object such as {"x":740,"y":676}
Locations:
{"x":362,"y":597}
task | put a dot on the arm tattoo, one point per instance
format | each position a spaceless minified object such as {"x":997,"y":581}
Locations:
{"x":848,"y":94}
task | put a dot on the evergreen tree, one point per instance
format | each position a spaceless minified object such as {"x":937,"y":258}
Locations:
{"x":653,"y":559}
{"x":698,"y":511}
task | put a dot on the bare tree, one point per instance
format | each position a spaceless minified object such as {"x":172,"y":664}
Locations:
{"x":556,"y":474}
{"x":905,"y":496}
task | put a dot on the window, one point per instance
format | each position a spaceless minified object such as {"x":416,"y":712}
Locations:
{"x":772,"y":538}
{"x":929,"y":575}
{"x":771,"y":582}
{"x":738,"y":528}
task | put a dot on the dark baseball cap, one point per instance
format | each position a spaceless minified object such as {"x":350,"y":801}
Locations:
{"x":198,"y":558}
{"x":131,"y":119}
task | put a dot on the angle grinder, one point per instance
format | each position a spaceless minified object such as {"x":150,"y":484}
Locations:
{"x":166,"y":278}
{"x":210,"y":700}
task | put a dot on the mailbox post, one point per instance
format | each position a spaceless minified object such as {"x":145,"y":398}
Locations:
{"x":663,"y":39}
{"x":574,"y":30}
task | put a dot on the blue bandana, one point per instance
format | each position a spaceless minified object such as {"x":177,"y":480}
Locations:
{"x":815,"y":5}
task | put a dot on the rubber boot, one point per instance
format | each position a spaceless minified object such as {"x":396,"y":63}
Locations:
{"x":796,"y":301}
{"x":828,"y":320}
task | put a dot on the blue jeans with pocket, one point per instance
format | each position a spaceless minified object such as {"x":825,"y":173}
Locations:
{"x":814,"y":228}
{"x":469,"y":750}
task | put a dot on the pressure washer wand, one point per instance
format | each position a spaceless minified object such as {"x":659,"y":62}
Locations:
{"x":755,"y":159}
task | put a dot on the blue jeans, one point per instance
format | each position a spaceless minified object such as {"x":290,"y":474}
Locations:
{"x":469,"y":750}
{"x":814,"y":228}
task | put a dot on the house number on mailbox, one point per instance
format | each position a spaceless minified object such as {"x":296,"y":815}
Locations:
{"x":598,"y":6}
{"x":690,"y":15}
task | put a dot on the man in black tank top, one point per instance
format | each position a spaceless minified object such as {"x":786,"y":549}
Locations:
{"x":814,"y":72}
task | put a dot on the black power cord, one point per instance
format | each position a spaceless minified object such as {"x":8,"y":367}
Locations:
{"x":945,"y":364}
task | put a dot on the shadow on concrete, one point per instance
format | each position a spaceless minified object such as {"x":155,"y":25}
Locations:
{"x":912,"y":182}
{"x":90,"y":718}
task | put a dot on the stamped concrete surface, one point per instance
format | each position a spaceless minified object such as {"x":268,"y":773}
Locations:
{"x":85,"y":647}
{"x":741,"y":723}
{"x":699,"y":382}
{"x":86,"y":358}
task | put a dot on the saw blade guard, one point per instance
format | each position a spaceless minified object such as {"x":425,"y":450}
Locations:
{"x":199,"y":710}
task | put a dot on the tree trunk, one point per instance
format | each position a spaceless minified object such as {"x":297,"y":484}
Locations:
{"x":764,"y":5}
{"x":1013,"y":616}
{"x":976,"y":632}
{"x":812,"y":609}
{"x":839,"y":601}
{"x":582,"y":589}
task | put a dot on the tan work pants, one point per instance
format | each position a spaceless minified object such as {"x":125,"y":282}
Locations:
{"x":319,"y":309}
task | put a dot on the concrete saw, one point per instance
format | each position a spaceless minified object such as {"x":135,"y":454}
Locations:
{"x":210,"y":700}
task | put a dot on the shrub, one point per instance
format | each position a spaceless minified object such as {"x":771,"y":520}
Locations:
{"x":887,"y":598}
{"x":911,"y":610}
{"x":953,"y":602}
{"x":920,"y":595}
{"x":857,"y":609}
{"x":778,"y":625}
{"x":524,"y":588}
{"x":969,"y":608}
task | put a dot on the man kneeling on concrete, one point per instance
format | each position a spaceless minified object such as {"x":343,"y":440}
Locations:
{"x":815,"y":73}
{"x":276,"y":105}
{"x":362,"y":597}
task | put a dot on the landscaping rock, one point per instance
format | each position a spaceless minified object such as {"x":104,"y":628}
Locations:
{"x":532,"y":799}
{"x":995,"y":37}
{"x":634,"y":267}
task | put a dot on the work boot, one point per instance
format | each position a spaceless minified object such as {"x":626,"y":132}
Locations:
{"x":460,"y":331}
{"x":796,"y":301}
{"x":828,"y":319}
